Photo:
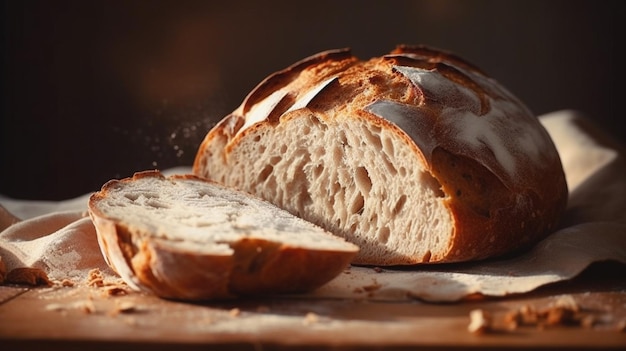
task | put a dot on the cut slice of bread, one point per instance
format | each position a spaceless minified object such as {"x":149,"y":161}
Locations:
{"x":182,"y":237}
{"x":416,"y":156}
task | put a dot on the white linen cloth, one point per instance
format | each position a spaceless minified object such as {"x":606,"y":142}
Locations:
{"x":59,"y":237}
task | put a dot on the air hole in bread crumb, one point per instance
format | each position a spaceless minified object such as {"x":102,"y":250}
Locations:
{"x":132,"y":197}
{"x":343,"y":140}
{"x":383,"y":235}
{"x":265,"y":173}
{"x":317,"y":171}
{"x":157,"y":204}
{"x":399,"y":205}
{"x":389,"y":165}
{"x":330,"y":203}
{"x":337,"y":155}
{"x":354,"y":227}
{"x":373,"y":140}
{"x":319,"y":152}
{"x":388,"y":146}
{"x":363,"y":180}
{"x":275,"y":159}
{"x":364,"y":227}
{"x":357,"y":204}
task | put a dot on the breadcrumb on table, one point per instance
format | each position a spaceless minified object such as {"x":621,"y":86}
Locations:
{"x":95,"y":278}
{"x":28,"y":276}
{"x":480,"y":322}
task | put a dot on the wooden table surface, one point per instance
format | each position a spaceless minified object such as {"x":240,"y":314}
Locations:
{"x":88,"y":318}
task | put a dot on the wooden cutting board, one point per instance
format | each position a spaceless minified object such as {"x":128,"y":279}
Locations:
{"x":89,"y":318}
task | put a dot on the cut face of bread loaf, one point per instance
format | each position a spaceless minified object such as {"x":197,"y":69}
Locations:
{"x":185,"y":238}
{"x":416,"y":156}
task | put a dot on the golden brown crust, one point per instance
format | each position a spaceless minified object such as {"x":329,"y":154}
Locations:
{"x":261,"y":266}
{"x":324,"y":64}
{"x":489,"y":214}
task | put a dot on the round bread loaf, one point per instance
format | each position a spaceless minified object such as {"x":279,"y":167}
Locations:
{"x":184,"y":238}
{"x":416,"y":156}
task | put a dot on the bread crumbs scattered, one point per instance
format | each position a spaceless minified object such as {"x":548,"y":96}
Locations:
{"x":55,"y":307}
{"x":311,"y":318}
{"x":88,"y":307}
{"x":564,"y":312}
{"x":480,"y":322}
{"x":588,"y":321}
{"x":95,"y":278}
{"x":115,"y":291}
{"x":28,"y":276}
{"x":126,"y":307}
{"x":235,"y":312}
{"x":372,"y":287}
{"x":67,"y":283}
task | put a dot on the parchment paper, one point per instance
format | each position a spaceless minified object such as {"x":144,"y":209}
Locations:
{"x":59,"y":237}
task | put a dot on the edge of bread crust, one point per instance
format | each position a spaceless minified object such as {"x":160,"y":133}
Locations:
{"x":254,"y":267}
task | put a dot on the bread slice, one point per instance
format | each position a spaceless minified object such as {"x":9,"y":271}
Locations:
{"x":183,"y":237}
{"x":416,"y":156}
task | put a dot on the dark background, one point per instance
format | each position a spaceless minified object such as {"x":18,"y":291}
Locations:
{"x":94,"y":90}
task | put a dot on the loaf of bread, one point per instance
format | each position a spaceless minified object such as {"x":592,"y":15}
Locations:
{"x":416,"y":156}
{"x":182,"y":237}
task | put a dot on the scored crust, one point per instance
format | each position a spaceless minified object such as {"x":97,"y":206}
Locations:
{"x":184,"y":250}
{"x":416,"y":156}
